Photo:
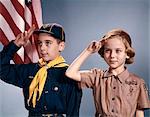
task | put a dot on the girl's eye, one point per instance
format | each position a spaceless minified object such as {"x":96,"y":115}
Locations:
{"x":118,"y":51}
{"x":106,"y":50}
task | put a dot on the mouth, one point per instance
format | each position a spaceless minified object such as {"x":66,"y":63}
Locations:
{"x":112,"y":61}
{"x":44,"y":54}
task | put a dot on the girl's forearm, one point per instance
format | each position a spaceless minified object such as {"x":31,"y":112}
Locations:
{"x":73,"y":70}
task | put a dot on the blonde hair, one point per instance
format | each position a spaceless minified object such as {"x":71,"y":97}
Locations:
{"x":125,"y":39}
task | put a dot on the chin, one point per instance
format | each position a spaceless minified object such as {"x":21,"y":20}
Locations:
{"x":113,"y":66}
{"x":45,"y":59}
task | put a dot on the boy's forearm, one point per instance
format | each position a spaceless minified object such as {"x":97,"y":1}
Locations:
{"x":73,"y":70}
{"x":8,"y":52}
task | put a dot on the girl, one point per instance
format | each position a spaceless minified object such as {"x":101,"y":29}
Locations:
{"x":116,"y":91}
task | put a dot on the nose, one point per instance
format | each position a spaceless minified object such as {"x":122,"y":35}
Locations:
{"x":112,"y":54}
{"x":43,"y":47}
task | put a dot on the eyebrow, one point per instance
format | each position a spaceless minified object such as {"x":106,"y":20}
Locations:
{"x":45,"y":40}
{"x":110,"y":48}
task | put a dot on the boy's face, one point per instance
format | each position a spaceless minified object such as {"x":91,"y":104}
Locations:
{"x":115,"y":53}
{"x":48,"y":47}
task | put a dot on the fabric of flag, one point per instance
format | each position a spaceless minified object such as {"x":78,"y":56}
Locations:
{"x":16,"y":16}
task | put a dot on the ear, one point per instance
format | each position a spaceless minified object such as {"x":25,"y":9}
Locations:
{"x":127,"y":57}
{"x":61,"y":46}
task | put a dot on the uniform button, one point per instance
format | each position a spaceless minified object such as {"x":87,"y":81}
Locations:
{"x":46,"y":91}
{"x":45,"y":107}
{"x":113,"y":98}
{"x":56,"y":88}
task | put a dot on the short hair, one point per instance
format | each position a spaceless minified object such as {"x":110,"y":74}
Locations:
{"x":59,"y":41}
{"x":126,"y":39}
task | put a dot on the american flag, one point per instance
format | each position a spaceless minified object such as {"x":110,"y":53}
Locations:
{"x":16,"y":16}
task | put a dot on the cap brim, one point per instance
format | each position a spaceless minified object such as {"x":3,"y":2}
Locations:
{"x":42,"y":31}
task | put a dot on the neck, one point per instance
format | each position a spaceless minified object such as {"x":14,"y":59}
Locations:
{"x":117,"y":71}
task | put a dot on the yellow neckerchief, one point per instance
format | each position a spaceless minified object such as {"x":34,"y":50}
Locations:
{"x":37,"y":84}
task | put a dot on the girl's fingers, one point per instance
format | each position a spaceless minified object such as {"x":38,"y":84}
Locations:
{"x":95,"y":46}
{"x":102,"y":41}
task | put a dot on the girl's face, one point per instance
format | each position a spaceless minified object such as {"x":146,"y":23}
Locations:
{"x":48,"y":47}
{"x":115,"y":53}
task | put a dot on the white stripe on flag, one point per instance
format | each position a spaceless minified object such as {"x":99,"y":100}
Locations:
{"x":14,"y":14}
{"x":11,"y":27}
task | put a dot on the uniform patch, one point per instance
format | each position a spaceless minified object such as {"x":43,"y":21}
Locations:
{"x":146,"y":88}
{"x":30,"y":77}
{"x":132,"y":86}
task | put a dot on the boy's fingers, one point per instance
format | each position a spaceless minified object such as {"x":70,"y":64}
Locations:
{"x":21,"y":36}
{"x":26,"y":36}
{"x":31,"y":30}
{"x":28,"y":33}
{"x":18,"y":36}
{"x":25,"y":33}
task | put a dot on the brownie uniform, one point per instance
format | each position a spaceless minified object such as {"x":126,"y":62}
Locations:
{"x":117,"y":96}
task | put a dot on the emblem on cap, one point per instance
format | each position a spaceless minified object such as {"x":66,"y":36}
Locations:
{"x":54,"y":29}
{"x":45,"y":25}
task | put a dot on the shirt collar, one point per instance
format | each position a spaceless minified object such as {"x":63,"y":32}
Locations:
{"x":121,"y":77}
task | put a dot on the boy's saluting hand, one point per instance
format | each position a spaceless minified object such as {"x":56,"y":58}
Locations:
{"x":22,"y":38}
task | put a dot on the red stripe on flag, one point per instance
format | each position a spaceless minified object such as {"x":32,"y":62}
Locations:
{"x":9,"y":20}
{"x":33,"y":15}
{"x":3,"y":38}
{"x":27,"y":26}
{"x":17,"y":59}
{"x":20,"y":8}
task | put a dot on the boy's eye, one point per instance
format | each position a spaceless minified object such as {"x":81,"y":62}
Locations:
{"x":48,"y":43}
{"x":39,"y":43}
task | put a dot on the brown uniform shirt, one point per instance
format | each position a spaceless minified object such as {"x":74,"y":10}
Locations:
{"x":116,"y":96}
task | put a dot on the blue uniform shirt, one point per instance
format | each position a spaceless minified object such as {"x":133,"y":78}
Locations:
{"x":60,"y":94}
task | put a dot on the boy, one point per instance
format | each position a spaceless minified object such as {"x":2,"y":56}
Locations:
{"x":116,"y":91}
{"x":47,"y":91}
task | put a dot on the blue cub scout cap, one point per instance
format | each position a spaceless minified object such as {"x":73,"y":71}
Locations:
{"x":54,"y":29}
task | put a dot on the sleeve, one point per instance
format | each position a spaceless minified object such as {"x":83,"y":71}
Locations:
{"x":11,"y":73}
{"x":73,"y":99}
{"x":143,"y":99}
{"x":90,"y":78}
{"x":14,"y":74}
{"x":8,"y":52}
